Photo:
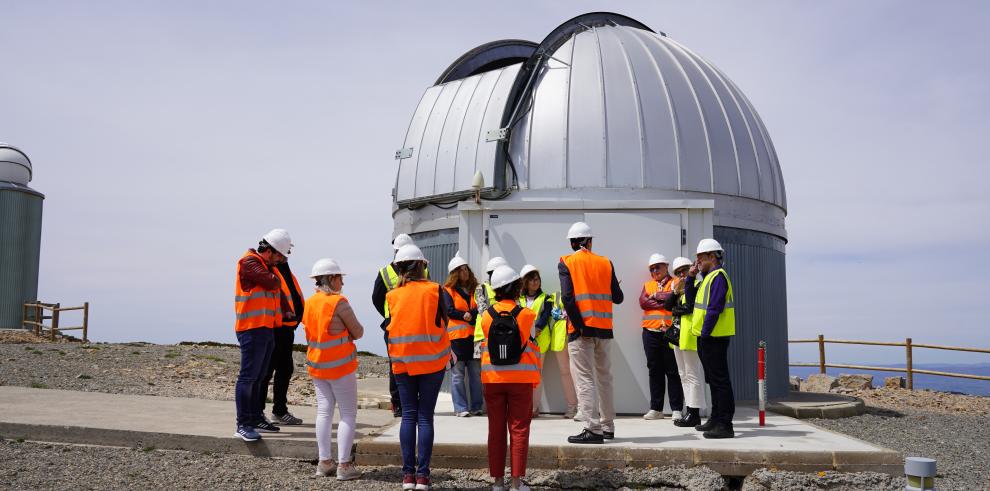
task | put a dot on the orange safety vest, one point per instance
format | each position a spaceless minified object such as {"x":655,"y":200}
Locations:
{"x":459,"y":328}
{"x":256,"y":307}
{"x":656,"y":319}
{"x":416,"y":344}
{"x":527,"y":371}
{"x":591,"y":275}
{"x":279,"y":322}
{"x":328,"y":356}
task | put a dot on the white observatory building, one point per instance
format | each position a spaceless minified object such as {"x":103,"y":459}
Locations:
{"x":609,"y":122}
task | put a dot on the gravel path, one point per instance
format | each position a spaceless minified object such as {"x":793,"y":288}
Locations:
{"x":29,"y":465}
{"x":201,"y":371}
{"x":959,"y":442}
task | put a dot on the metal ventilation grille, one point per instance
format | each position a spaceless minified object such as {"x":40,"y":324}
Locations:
{"x":755,"y":263}
{"x":439,"y":247}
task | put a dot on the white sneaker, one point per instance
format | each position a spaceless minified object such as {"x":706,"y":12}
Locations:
{"x":347,"y":473}
{"x":653,"y":414}
{"x":498,"y":488}
{"x":571,"y":412}
{"x":578,"y":416}
{"x":463,"y":414}
{"x":675,"y":415}
{"x":522,"y":487}
{"x":325,"y":471}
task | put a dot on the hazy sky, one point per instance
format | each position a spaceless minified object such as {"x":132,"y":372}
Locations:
{"x":168,"y":136}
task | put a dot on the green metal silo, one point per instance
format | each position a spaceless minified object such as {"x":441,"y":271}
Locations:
{"x":20,"y":235}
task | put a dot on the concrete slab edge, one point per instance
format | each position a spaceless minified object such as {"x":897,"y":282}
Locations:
{"x":472,"y":456}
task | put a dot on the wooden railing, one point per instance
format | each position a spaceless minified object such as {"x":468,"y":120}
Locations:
{"x":38,"y":319}
{"x":908,"y":368}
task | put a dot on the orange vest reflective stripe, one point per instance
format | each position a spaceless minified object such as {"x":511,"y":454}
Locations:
{"x":328,"y":356}
{"x":591,"y":275}
{"x":528,"y":368}
{"x":256,"y":307}
{"x":459,"y":328}
{"x":280,"y":321}
{"x":658,"y":318}
{"x":416,"y":344}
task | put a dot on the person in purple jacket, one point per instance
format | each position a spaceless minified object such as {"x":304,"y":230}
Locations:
{"x":714,"y":322}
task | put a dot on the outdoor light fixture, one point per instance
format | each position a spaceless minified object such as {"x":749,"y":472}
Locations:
{"x":920,"y":473}
{"x":477,"y":183}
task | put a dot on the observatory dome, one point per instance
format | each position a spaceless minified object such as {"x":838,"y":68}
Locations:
{"x":15,"y":166}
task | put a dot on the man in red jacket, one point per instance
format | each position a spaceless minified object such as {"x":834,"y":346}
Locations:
{"x":258,"y":303}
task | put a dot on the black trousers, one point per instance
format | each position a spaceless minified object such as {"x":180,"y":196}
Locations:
{"x":714,"y":354}
{"x":393,"y":389}
{"x":281,"y":367}
{"x":662,"y":367}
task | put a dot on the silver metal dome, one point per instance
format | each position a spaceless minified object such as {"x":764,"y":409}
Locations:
{"x":15,"y":166}
{"x":612,"y":107}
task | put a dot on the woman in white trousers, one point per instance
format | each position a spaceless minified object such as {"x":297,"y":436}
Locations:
{"x":331,"y":359}
{"x":686,"y":351}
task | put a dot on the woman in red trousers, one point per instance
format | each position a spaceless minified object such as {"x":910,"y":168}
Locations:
{"x":508,"y":382}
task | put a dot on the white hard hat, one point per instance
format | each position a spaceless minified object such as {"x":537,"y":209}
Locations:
{"x":680,"y":262}
{"x":527,"y":269}
{"x":409,"y":252}
{"x":325,"y":266}
{"x":279,"y":240}
{"x":503,"y":275}
{"x":579,"y":230}
{"x":709,"y":245}
{"x":658,"y":259}
{"x":495,"y":262}
{"x":401,"y":240}
{"x":455,"y":263}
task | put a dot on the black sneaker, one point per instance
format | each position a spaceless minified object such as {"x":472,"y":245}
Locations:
{"x":266,"y":426}
{"x":286,"y":419}
{"x":706,"y":426}
{"x":720,"y":431}
{"x":608,"y":435}
{"x":586,"y":436}
{"x":690,"y":418}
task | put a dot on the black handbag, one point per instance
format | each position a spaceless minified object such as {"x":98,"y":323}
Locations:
{"x":673,"y":335}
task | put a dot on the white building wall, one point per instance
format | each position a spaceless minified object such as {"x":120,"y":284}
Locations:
{"x":625,"y":231}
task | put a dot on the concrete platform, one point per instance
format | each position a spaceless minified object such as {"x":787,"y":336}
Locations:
{"x":803,"y":405}
{"x":207,"y":426}
{"x":174,"y":423}
{"x":784,"y":443}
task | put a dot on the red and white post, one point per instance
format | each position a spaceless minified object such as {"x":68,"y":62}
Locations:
{"x":761,"y":375}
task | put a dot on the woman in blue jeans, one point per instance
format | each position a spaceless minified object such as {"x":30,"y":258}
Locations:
{"x":420,"y":353}
{"x":462,"y":310}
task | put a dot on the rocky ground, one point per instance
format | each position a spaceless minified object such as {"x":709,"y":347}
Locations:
{"x":206,"y":371}
{"x":28,"y":465}
{"x":952,"y":428}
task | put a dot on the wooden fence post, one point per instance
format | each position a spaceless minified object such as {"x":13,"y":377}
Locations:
{"x":39,"y":317}
{"x":821,"y":353}
{"x":85,"y":321}
{"x":910,"y":362}
{"x":55,"y":320}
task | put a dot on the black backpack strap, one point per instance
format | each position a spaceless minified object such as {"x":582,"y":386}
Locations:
{"x":516,"y":310}
{"x":492,"y":312}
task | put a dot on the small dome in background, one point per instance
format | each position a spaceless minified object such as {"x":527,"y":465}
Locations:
{"x":15,"y":166}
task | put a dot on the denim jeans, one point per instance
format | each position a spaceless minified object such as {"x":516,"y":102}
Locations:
{"x":471,"y":368}
{"x":280,"y":368}
{"x":419,"y":399}
{"x":256,"y":352}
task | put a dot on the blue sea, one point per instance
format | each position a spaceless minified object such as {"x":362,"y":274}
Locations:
{"x":922,"y":381}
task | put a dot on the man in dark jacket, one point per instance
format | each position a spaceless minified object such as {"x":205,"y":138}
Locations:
{"x":281,"y":366}
{"x":589,"y":288}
